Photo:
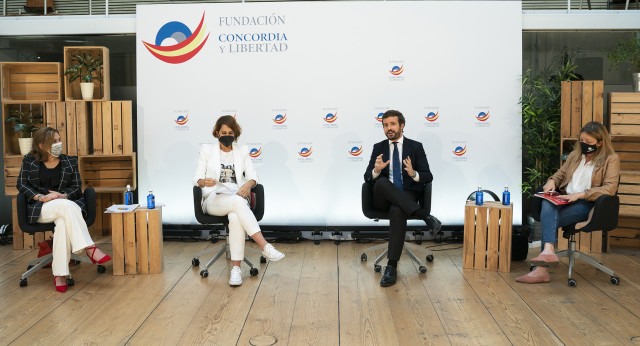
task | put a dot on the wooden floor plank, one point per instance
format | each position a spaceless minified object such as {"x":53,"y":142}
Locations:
{"x":365,"y":314}
{"x":315,"y":317}
{"x":8,"y":254}
{"x":272,"y":311}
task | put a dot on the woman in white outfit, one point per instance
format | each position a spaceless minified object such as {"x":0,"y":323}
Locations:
{"x":51,"y":183}
{"x":226,"y":175}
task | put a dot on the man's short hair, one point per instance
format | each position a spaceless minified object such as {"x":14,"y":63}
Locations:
{"x":394,"y":113}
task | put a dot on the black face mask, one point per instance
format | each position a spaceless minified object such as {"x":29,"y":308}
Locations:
{"x":587,"y":148}
{"x":226,"y":141}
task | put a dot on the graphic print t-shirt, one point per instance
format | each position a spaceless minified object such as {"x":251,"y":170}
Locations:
{"x":227,"y":179}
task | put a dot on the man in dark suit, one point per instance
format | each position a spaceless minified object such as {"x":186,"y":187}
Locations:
{"x":399,"y":169}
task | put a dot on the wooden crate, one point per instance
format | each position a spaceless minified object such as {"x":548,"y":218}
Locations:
{"x":137,"y":242}
{"x":31,"y":81}
{"x":12,"y":165}
{"x":101,"y":91}
{"x":582,"y":102}
{"x":108,"y":173}
{"x":10,"y":136}
{"x":71,"y":119}
{"x":624,"y":114}
{"x":102,"y":225}
{"x":627,"y":234}
{"x":112,"y":128}
{"x":487,"y":236}
{"x":588,"y":242}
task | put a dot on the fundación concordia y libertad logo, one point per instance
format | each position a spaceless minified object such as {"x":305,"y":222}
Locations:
{"x":187,"y":46}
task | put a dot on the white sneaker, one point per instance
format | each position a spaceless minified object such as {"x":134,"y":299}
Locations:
{"x":271,"y":253}
{"x":236,"y":276}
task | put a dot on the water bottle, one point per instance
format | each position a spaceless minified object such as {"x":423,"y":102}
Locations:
{"x":506,"y":196}
{"x":128,"y":196}
{"x":151,"y":200}
{"x":479,"y":196}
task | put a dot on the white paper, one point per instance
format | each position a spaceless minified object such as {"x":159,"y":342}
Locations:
{"x":121,"y":208}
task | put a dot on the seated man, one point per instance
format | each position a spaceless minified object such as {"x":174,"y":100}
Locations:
{"x":397,"y":186}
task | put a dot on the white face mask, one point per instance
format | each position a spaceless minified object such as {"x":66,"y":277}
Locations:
{"x":56,"y":149}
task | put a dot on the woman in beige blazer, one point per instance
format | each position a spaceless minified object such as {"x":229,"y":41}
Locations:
{"x":591,"y":170}
{"x":226,"y":175}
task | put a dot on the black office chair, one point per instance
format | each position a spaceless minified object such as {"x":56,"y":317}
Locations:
{"x":33,"y":228}
{"x":604,"y":218}
{"x":205,"y":219}
{"x":370,"y":212}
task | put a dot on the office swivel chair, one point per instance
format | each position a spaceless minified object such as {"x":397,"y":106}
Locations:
{"x":604,"y":218}
{"x":205,"y":219}
{"x":370,"y":212}
{"x":33,"y":228}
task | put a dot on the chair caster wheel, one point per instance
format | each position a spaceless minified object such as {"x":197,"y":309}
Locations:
{"x":29,"y":266}
{"x":316,"y":242}
{"x":573,"y":283}
{"x":204,"y":273}
{"x":377,"y":268}
{"x":70,"y":282}
{"x":423,"y":269}
{"x":263,"y":260}
{"x":363,"y":257}
{"x":75,"y":262}
{"x":253,"y":271}
{"x":337,"y":242}
{"x":531,"y":268}
{"x":102,"y":269}
{"x":23,"y":282}
{"x":614,"y":280}
{"x":195,"y":262}
{"x":429,"y":258}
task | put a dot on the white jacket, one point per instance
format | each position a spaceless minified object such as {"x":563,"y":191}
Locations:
{"x":209,"y":166}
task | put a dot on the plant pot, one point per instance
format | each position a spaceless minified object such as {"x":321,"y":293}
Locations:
{"x":636,"y":82}
{"x":25,"y":145}
{"x":87,"y":90}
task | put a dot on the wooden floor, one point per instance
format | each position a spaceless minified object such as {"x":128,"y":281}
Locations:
{"x":320,"y":295}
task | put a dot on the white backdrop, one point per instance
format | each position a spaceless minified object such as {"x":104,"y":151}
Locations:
{"x":328,"y":69}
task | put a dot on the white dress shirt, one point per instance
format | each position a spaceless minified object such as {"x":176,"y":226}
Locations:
{"x":400,"y":141}
{"x":581,"y":179}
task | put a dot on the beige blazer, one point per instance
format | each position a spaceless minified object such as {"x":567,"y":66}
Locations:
{"x":603,"y":181}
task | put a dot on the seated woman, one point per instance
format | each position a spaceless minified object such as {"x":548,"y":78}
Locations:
{"x":591,"y":170}
{"x":226,"y":175}
{"x":50,"y":182}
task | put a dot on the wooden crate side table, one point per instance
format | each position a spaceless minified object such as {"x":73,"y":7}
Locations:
{"x":137,"y":241}
{"x":487,"y":236}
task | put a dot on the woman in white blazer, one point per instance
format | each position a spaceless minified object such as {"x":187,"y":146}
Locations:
{"x":226,"y":175}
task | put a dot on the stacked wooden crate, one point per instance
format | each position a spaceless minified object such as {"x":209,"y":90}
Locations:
{"x":624,"y":121}
{"x":99,"y":132}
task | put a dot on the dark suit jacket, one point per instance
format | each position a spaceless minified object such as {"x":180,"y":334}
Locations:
{"x":29,"y":184}
{"x":410,"y":148}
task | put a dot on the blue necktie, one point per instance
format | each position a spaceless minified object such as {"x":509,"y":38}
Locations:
{"x":397,"y":167}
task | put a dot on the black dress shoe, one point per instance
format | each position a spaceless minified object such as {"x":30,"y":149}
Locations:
{"x":389,"y":277}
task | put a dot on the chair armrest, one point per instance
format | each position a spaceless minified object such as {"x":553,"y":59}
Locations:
{"x":90,"y":201}
{"x":197,"y":204}
{"x":425,"y":203}
{"x":258,"y":211}
{"x":367,"y":200}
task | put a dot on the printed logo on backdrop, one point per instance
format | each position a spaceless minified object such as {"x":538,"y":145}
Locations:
{"x":305,"y":151}
{"x":175,"y":43}
{"x":459,"y":151}
{"x":329,"y":118}
{"x":252,"y":34}
{"x":482,"y":116}
{"x":431,"y":119}
{"x":181,"y":120}
{"x":355,"y":151}
{"x":396,"y":70}
{"x":376,"y":117}
{"x":279,"y":119}
{"x":255,"y":152}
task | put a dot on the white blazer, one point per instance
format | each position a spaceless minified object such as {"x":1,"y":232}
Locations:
{"x":209,"y":166}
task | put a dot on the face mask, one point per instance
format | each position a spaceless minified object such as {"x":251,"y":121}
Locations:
{"x":226,"y":141}
{"x":56,"y":149}
{"x":588,"y":149}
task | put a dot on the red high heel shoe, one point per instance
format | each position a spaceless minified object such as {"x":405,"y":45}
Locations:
{"x":61,"y":288}
{"x":104,"y":259}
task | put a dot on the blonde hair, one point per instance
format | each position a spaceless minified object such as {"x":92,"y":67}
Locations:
{"x":44,"y":136}
{"x":600,"y":133}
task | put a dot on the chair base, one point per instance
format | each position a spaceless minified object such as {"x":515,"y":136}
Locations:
{"x":407,"y":247}
{"x":219,"y":250}
{"x":40,"y":262}
{"x":572,"y":255}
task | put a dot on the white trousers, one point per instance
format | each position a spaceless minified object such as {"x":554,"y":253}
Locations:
{"x":241,"y":219}
{"x":70,"y":234}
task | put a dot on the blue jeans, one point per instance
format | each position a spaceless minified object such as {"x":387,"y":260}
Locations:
{"x":554,"y":216}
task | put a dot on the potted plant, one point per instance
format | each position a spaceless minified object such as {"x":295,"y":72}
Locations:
{"x":87,"y":68}
{"x":628,"y":51}
{"x":26,"y":123}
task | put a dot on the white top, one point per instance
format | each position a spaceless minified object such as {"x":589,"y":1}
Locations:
{"x":581,"y":179}
{"x":400,"y":141}
{"x":227,"y":179}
